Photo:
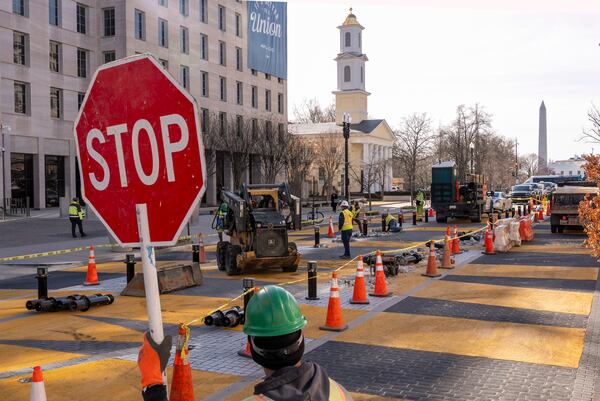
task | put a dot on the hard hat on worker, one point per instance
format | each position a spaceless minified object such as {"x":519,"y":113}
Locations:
{"x":272,"y":311}
{"x":344,"y":204}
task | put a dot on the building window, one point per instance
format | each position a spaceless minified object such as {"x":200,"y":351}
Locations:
{"x":347,"y":73}
{"x":254,"y":72}
{"x":109,"y":56}
{"x":20,"y":48}
{"x":204,"y":120}
{"x":279,"y":80}
{"x":82,"y":63}
{"x":222,"y":18}
{"x":163,"y":3}
{"x":20,"y":7}
{"x":183,"y":7}
{"x":55,"y":103}
{"x":204,"y":83}
{"x":165,"y":63}
{"x":239,"y":125}
{"x":21,"y":97}
{"x":254,"y":128}
{"x":185,"y":76}
{"x":268,"y":100}
{"x":239,"y":60}
{"x":54,"y":54}
{"x":254,"y":97}
{"x":108,"y":15}
{"x":280,"y":131}
{"x":81,"y":18}
{"x":238,"y":25}
{"x":267,"y":76}
{"x":203,"y":47}
{"x":54,"y":12}
{"x":347,"y":39}
{"x":163,"y":33}
{"x":140,"y":25}
{"x":222,"y":53}
{"x":222,"y":122}
{"x":239,"y":92}
{"x":360,"y":40}
{"x":223,"y":88}
{"x":280,"y":103}
{"x":203,"y":11}
{"x":269,"y":128}
{"x":183,"y":40}
{"x":362,"y":75}
{"x":80,"y":97}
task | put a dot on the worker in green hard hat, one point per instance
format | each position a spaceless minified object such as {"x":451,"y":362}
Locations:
{"x":274,"y":325}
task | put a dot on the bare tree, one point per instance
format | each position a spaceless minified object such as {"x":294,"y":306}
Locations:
{"x":413,"y":143}
{"x":328,"y":157}
{"x":528,"y":164}
{"x":310,"y":111}
{"x":367,"y":175}
{"x":274,"y":148}
{"x":593,"y":134}
{"x":237,"y":141}
{"x":298,"y":163}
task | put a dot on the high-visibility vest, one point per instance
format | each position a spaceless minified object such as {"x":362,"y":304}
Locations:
{"x":348,"y":216}
{"x":74,"y":210}
{"x":355,"y":212}
{"x":388,"y":219}
{"x":336,"y":393}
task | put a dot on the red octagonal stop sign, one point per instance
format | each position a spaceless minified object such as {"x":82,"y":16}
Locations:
{"x":139,"y":142}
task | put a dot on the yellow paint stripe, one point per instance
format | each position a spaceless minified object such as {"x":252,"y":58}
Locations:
{"x":509,"y":341}
{"x":16,"y":357}
{"x":553,"y":248}
{"x":515,"y":297}
{"x":555,"y":272}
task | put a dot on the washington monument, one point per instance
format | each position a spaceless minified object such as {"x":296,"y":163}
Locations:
{"x":542,"y":141}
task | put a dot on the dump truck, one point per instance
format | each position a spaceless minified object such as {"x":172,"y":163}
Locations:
{"x":257,"y":223}
{"x":565,"y":210}
{"x":454,"y":199}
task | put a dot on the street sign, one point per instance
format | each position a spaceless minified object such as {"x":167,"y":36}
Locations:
{"x":139,"y":143}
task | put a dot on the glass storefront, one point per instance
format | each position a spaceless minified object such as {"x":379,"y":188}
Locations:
{"x":55,"y":179}
{"x":21,"y":185}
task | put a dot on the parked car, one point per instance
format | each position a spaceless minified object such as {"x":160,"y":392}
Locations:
{"x":538,"y":189}
{"x":501,"y":201}
{"x":522,"y":193}
{"x":549,"y":187}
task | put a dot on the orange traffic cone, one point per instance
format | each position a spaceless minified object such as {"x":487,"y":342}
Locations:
{"x":530,"y":205}
{"x":541,"y":215}
{"x":330,"y":230}
{"x":202,"y":250}
{"x":91,"y":278}
{"x":181,"y":384}
{"x":38,"y":390}
{"x":447,"y":260}
{"x":431,"y":262}
{"x":334,"y":321}
{"x":548,"y":209}
{"x":430,"y":212}
{"x":246,"y":351}
{"x":488,"y":242}
{"x":455,"y":244}
{"x":360,"y":288}
{"x":380,"y":289}
{"x":448,"y":231}
{"x":536,"y":217}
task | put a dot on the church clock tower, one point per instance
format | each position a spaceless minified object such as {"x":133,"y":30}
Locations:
{"x":351,"y":96}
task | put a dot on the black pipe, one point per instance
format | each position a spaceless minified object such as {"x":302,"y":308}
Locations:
{"x":216,"y":319}
{"x":317,"y":236}
{"x":42,"y":281}
{"x":45,"y":305}
{"x":312,"y":281}
{"x":234,"y":315}
{"x":196,"y":253}
{"x":130,"y":263}
{"x":84,"y":303}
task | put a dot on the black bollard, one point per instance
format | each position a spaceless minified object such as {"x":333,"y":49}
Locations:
{"x":42,"y":279}
{"x":196,"y":253}
{"x":247,"y":284}
{"x":383,"y":223}
{"x":312,"y":281}
{"x":415,"y":218}
{"x":400,"y":219}
{"x":130,"y":263}
{"x":365,"y":227}
{"x":317,"y":236}
{"x":426,"y":216}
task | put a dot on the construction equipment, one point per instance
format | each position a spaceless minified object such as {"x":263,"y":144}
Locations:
{"x":451,"y":198}
{"x":565,"y":211}
{"x":257,"y":224}
{"x":392,"y":262}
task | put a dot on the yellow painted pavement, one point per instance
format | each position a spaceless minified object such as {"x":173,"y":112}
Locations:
{"x":111,"y":379}
{"x":510,"y":341}
{"x":553,"y":248}
{"x":515,"y":297}
{"x":529,"y":271}
{"x":15,"y":357}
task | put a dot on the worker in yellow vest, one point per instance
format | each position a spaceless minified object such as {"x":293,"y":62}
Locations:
{"x":274,"y":324}
{"x":76,"y":216}
{"x":391,"y":223}
{"x":345,"y":226}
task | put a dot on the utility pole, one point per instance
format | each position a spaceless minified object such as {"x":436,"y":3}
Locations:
{"x":346,"y":129}
{"x":516,"y":161}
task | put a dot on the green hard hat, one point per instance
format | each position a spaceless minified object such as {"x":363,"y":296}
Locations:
{"x":273,"y":311}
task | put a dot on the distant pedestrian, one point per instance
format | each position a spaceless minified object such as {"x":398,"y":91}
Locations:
{"x":345,"y":226}
{"x":76,"y":216}
{"x":219,"y":221}
{"x":334,"y":197}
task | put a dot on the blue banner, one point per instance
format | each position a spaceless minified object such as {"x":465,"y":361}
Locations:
{"x":267,"y":37}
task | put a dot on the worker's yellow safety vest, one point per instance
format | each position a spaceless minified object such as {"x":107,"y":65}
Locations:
{"x":336,"y":393}
{"x":388,"y":219}
{"x":348,"y":215}
{"x":73,"y":210}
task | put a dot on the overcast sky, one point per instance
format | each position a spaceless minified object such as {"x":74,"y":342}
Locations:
{"x":428,"y":56}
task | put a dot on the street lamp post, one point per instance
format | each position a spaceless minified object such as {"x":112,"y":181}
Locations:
{"x":472,"y":146}
{"x":346,"y":125}
{"x":3,"y":151}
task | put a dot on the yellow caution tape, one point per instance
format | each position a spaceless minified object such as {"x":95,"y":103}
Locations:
{"x":51,"y":253}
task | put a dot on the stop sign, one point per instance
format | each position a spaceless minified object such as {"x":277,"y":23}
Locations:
{"x":139,"y":142}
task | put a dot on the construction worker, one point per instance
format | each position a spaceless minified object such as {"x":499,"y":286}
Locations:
{"x":274,"y":324}
{"x":220,"y":219}
{"x":420,"y":202}
{"x":356,"y":215}
{"x":76,"y":216}
{"x":345,"y":226}
{"x":334,"y":197}
{"x":391,"y":223}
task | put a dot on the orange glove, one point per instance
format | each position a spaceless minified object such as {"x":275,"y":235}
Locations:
{"x":152,"y":360}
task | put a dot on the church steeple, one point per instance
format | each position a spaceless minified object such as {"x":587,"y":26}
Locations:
{"x":351,"y":96}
